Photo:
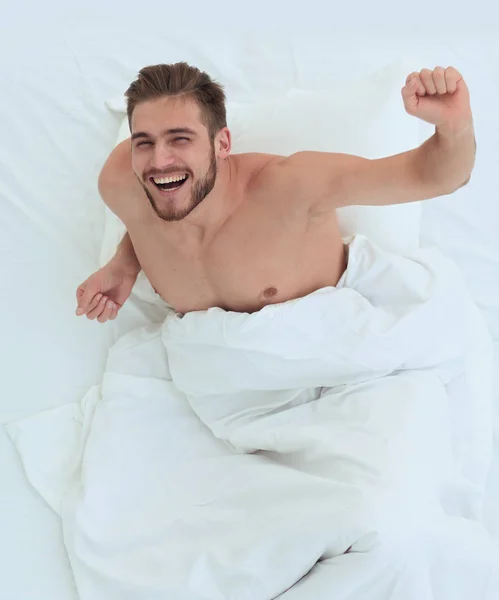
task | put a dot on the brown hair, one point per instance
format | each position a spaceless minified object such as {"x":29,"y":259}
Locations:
{"x":180,"y":79}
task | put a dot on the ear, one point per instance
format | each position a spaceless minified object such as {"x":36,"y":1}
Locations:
{"x":223,"y":143}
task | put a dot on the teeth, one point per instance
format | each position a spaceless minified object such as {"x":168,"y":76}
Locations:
{"x":169,"y":179}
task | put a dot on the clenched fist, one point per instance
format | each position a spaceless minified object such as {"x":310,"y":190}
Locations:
{"x":439,"y":97}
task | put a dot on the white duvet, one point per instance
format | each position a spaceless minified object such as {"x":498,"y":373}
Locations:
{"x":330,"y":447}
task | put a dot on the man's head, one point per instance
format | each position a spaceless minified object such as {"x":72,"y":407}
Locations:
{"x":177,"y":120}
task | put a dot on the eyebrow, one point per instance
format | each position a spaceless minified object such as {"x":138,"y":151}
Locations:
{"x":144,"y":134}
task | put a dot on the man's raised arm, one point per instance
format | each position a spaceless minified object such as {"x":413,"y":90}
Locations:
{"x":440,"y":166}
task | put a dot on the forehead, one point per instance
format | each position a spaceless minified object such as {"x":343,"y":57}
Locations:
{"x":165,"y":113}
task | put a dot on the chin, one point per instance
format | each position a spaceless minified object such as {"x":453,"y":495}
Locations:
{"x":174,"y":213}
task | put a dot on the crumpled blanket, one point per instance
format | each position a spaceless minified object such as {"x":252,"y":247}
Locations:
{"x":388,"y":314}
{"x":332,"y":446}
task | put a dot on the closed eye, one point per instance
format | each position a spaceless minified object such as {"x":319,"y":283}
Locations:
{"x":145,"y":142}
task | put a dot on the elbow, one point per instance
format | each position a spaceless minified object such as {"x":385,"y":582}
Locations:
{"x":462,"y":184}
{"x":466,"y":182}
{"x":451,"y":189}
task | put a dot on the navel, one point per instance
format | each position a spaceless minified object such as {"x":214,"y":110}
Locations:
{"x":269,"y":292}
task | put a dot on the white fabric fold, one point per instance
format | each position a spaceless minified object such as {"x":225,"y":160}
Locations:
{"x":388,"y":313}
{"x":334,"y":445}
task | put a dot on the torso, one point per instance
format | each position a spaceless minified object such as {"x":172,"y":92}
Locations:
{"x":271,"y":249}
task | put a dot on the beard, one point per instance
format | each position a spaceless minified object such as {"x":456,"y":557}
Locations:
{"x":201,"y":188}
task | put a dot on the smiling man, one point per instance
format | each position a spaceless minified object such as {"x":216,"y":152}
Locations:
{"x":239,"y":231}
{"x":170,"y":180}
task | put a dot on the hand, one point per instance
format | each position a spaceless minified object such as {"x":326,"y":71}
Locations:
{"x":104,"y":293}
{"x":439,"y":97}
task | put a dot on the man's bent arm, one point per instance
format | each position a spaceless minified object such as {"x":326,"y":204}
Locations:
{"x":448,"y":157}
{"x":125,"y":256}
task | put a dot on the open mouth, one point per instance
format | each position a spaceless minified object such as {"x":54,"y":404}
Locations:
{"x":170,"y":184}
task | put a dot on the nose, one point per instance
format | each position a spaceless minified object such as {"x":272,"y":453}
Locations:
{"x":162,"y":157}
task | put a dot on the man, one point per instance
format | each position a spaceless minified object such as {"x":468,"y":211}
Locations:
{"x":241,"y":231}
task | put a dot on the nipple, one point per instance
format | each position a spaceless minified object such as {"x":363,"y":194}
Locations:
{"x":270,"y":292}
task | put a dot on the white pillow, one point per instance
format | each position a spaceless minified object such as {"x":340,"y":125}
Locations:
{"x":367,"y":119}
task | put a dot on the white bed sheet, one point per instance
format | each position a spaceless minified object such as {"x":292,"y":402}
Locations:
{"x":56,"y":135}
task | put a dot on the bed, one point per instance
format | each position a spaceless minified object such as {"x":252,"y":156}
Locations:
{"x":59,"y":132}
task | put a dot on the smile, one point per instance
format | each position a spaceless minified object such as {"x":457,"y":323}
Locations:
{"x":170,"y":184}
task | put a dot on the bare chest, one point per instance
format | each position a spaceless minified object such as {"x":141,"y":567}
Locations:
{"x":259,"y":258}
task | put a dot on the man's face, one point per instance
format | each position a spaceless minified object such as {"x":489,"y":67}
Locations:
{"x":169,"y":140}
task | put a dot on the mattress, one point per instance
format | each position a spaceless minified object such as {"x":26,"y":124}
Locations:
{"x":57,"y":134}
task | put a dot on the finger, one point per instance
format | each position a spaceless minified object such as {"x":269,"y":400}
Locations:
{"x":418,"y":86}
{"x":89,"y":292}
{"x":427,"y":79}
{"x":79,"y":293}
{"x":452,"y":76}
{"x":106,"y":313}
{"x":115,"y":307}
{"x":93,"y":314}
{"x":409,"y":93}
{"x":411,"y":76}
{"x":439,"y":80}
{"x":95,"y":301}
{"x":411,"y":96}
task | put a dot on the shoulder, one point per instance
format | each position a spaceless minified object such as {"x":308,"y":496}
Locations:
{"x":117,"y":180}
{"x":118,"y":162}
{"x":255,"y":167}
{"x":315,"y":179}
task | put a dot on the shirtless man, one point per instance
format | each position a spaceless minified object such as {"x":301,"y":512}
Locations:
{"x":239,"y":231}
